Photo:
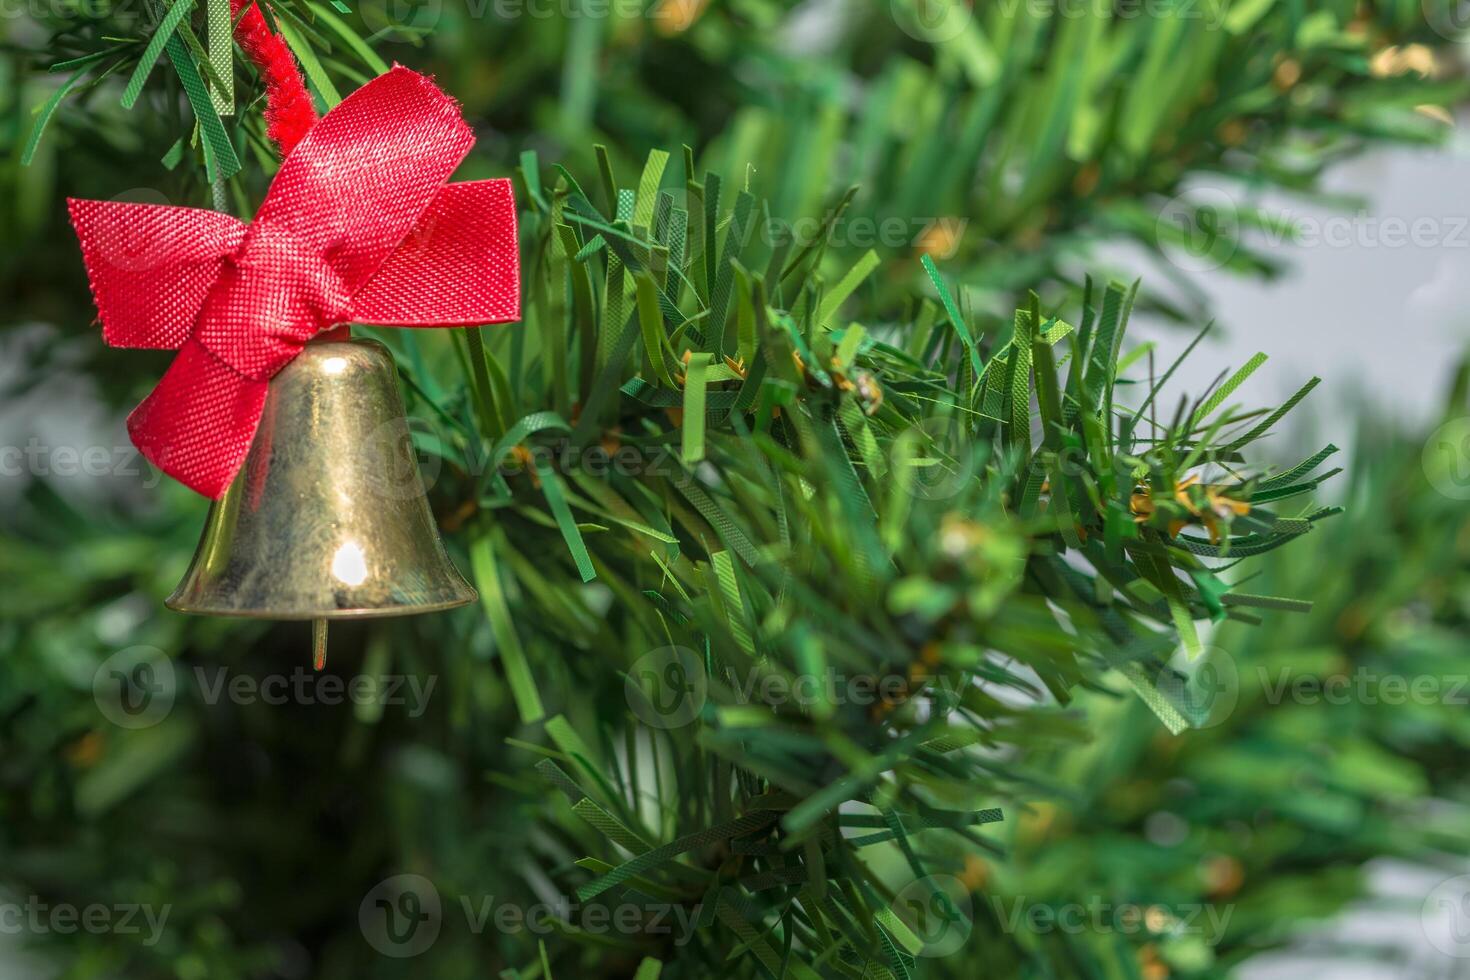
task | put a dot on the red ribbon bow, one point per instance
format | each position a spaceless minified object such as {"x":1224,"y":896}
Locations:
{"x":360,"y":225}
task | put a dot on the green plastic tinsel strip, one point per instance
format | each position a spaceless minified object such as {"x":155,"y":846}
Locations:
{"x":558,"y":778}
{"x":716,"y":403}
{"x":956,"y":320}
{"x":1273,"y":418}
{"x":692,"y":449}
{"x":738,"y":827}
{"x":1224,"y":391}
{"x":1098,"y":375}
{"x":651,"y":321}
{"x":177,"y":11}
{"x":1019,"y":386}
{"x":487,"y":406}
{"x":174,"y":155}
{"x":220,"y":162}
{"x":846,"y":286}
{"x":653,"y":175}
{"x":304,"y":52}
{"x":572,"y":745}
{"x":609,"y":826}
{"x":525,"y":426}
{"x":710,"y":239}
{"x":729,"y":906}
{"x":605,"y":383}
{"x":735,"y":241}
{"x":557,"y":501}
{"x":734,"y":605}
{"x":613,"y":312}
{"x":1301,"y":469}
{"x":221,"y":55}
{"x":727,"y":529}
{"x":512,"y":655}
{"x":44,"y":116}
{"x":349,"y":37}
{"x":1126,"y":647}
{"x":1266,"y":602}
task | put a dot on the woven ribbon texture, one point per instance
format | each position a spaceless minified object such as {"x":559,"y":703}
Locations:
{"x":360,"y":226}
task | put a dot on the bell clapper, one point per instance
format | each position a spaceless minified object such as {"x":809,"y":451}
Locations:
{"x":319,"y":644}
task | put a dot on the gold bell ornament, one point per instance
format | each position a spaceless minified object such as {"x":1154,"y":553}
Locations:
{"x":270,"y":408}
{"x":328,"y":518}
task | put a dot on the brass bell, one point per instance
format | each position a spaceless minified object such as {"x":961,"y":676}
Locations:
{"x":327,"y":519}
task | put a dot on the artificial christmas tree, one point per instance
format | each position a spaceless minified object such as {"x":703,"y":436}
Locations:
{"x":795,"y":561}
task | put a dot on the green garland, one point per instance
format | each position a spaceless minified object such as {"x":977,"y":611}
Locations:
{"x":848,"y":563}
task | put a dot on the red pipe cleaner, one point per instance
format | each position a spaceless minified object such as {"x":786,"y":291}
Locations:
{"x":289,"y":112}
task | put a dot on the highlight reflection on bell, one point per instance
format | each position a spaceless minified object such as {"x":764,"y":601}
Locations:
{"x":327,"y":519}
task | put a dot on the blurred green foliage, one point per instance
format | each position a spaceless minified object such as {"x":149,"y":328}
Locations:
{"x":1334,"y":738}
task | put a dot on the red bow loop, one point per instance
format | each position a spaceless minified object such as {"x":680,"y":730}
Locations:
{"x":359,"y":225}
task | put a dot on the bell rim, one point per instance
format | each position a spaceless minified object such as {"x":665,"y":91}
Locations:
{"x":299,"y":615}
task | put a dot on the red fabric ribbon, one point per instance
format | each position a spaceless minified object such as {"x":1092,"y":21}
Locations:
{"x":359,"y":226}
